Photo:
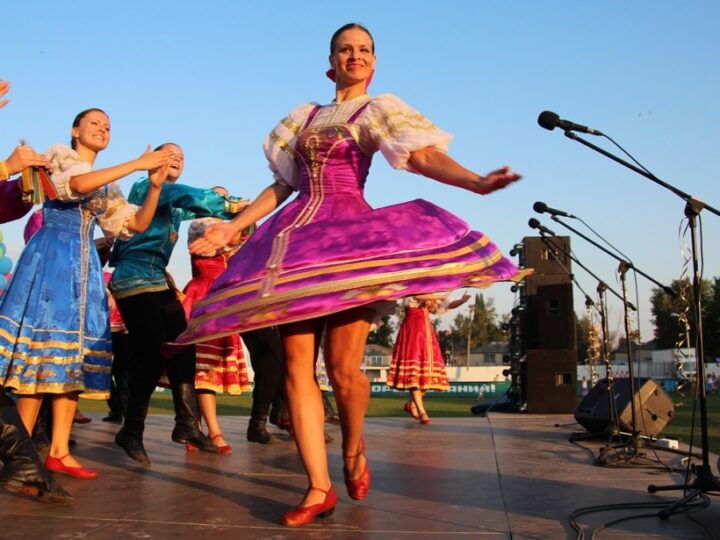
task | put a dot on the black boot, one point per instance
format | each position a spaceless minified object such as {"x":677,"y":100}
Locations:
{"x":23,"y":472}
{"x":187,"y":419}
{"x":257,"y":427}
{"x":133,"y":445}
{"x":130,"y":436}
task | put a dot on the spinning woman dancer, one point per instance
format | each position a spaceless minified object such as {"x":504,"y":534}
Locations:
{"x":327,"y":259}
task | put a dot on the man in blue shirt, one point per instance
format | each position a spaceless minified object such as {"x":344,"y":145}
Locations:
{"x":149,"y":305}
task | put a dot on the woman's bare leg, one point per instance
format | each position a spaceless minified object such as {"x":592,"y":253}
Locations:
{"x":28,"y":407}
{"x":417,"y":398}
{"x":63,"y":412}
{"x":305,"y":406}
{"x":207,"y":403}
{"x":345,"y":339}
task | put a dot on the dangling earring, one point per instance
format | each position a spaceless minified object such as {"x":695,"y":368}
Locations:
{"x":330,"y":74}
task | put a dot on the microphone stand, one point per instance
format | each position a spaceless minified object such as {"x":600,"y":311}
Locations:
{"x":665,"y":288}
{"x":704,"y":480}
{"x":551,"y":244}
{"x":633,"y":444}
{"x":632,"y":447}
{"x":614,"y":428}
{"x":559,"y":247}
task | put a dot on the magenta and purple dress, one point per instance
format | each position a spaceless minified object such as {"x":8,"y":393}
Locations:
{"x":327,"y":250}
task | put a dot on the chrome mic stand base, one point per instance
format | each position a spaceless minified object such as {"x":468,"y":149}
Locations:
{"x":704,"y":482}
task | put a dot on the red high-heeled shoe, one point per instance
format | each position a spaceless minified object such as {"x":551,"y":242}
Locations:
{"x":359,"y":487}
{"x":411,"y":410}
{"x":225,"y":448}
{"x":425,"y":419}
{"x":302,"y":515}
{"x":55,"y":464}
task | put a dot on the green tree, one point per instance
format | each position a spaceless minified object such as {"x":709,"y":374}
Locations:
{"x":479,"y":323}
{"x":448,"y":342}
{"x":384,"y":334}
{"x":583,"y":328}
{"x":669,"y":313}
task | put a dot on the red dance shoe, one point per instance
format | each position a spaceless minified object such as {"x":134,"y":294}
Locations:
{"x":359,"y":487}
{"x":224,"y":449}
{"x":56,"y":465}
{"x":302,"y":515}
{"x":425,"y":419}
{"x":411,"y":409}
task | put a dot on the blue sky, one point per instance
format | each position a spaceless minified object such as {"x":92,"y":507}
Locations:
{"x":216,"y":76}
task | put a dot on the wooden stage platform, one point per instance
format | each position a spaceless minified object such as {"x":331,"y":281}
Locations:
{"x":502,"y":476}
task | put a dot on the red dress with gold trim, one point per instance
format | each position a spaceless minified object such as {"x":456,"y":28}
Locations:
{"x":220,"y":364}
{"x":417,"y":359}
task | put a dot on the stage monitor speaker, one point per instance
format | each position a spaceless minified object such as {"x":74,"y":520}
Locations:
{"x":551,"y":381}
{"x":653,"y":407}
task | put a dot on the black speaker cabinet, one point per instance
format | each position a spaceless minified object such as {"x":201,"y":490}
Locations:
{"x":551,"y":381}
{"x":549,"y":315}
{"x":549,"y":318}
{"x":551,"y":257}
{"x":653,"y":407}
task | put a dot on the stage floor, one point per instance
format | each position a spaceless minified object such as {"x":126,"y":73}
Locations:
{"x":502,"y":476}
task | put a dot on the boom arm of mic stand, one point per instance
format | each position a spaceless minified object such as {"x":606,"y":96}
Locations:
{"x":689,"y":199}
{"x":668,"y":290}
{"x":581,"y":265}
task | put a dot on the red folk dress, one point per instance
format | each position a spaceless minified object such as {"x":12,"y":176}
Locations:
{"x":417,"y":359}
{"x":220,"y":364}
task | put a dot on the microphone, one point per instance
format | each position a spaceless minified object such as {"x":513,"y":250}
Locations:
{"x":535,"y":224}
{"x":541,"y":207}
{"x":549,"y":120}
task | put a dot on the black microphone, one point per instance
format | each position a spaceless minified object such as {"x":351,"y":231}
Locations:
{"x":550,"y":120}
{"x":541,"y":207}
{"x":535,"y":224}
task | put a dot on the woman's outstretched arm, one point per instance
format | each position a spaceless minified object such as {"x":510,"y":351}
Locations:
{"x":437,"y":165}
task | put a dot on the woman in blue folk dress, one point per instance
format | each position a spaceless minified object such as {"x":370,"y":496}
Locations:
{"x":54,"y":329}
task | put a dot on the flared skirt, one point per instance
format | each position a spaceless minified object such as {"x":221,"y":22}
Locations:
{"x":54,"y":328}
{"x":283,"y":275}
{"x":220,"y":362}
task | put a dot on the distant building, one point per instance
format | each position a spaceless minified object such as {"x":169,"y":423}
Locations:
{"x":376,"y":362}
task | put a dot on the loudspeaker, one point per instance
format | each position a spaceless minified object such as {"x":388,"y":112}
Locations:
{"x":549,"y":314}
{"x":551,"y":381}
{"x":653,"y":407}
{"x":551,"y":257}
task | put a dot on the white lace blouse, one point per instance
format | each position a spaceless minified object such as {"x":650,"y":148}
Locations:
{"x":388,"y":124}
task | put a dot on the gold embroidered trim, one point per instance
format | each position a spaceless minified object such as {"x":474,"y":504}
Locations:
{"x":362,"y":282}
{"x":388,"y":124}
{"x":292,"y":126}
{"x":282,"y":145}
{"x":356,"y":265}
{"x":55,"y":388}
